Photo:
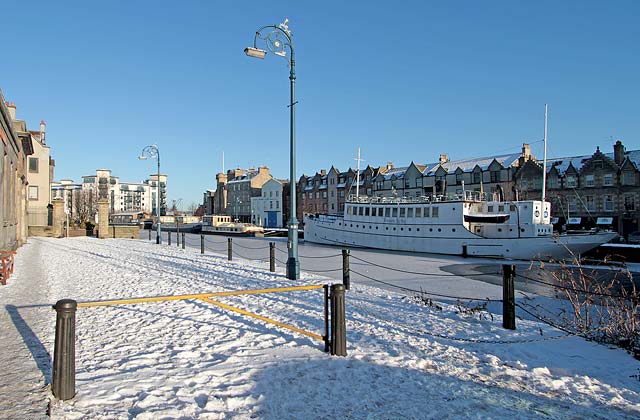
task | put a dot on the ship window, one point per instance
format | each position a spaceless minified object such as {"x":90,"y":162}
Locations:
{"x":374,"y":211}
{"x":366,"y":211}
{"x":489,"y":209}
{"x":360,"y":211}
{"x":387,"y":212}
{"x":349,"y":210}
{"x":402,"y":212}
{"x":434,"y":212}
{"x":418,"y":211}
{"x":512,"y":207}
{"x":500,"y":208}
{"x":409,"y":229}
{"x":426,"y":211}
{"x":401,"y":228}
{"x":395,"y":212}
{"x":410,"y":212}
{"x":380,"y":211}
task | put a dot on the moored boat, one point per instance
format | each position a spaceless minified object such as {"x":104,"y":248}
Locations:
{"x":219,"y":224}
{"x":461,"y":225}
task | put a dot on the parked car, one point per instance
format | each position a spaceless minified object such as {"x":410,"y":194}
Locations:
{"x":634,"y":238}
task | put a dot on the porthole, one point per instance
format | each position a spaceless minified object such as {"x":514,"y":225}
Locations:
{"x":430,"y":229}
{"x":394,"y":228}
{"x":401,"y":228}
{"x":522,"y":230}
{"x":376,"y":227}
{"x":510,"y":230}
{"x":351,"y":225}
{"x":499,"y":229}
{"x":453,"y":230}
{"x":439,"y":230}
{"x":418,"y":229}
{"x":409,"y":229}
{"x":386,"y":228}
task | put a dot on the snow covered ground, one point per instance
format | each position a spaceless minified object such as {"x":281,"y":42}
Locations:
{"x":190,"y":359}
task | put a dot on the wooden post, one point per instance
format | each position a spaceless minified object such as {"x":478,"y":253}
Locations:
{"x":229,"y":249}
{"x":508,"y":297}
{"x":346,"y":280}
{"x":272,"y":257}
{"x":338,"y":321}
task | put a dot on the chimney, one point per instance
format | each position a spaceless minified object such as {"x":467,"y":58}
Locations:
{"x":323,"y":172}
{"x":389,"y":165}
{"x":618,"y":153}
{"x":263,"y":169}
{"x":43,"y":130}
{"x":443,"y":158}
{"x":526,"y":151}
{"x":12,"y":110}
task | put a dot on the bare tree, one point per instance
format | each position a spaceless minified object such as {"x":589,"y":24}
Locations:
{"x":86,"y":203}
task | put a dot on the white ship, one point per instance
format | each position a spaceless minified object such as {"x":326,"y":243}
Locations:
{"x":465,"y":225}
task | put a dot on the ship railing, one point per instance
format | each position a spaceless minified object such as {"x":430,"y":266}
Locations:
{"x":434,"y":198}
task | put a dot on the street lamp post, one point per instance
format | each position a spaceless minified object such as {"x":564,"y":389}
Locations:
{"x":277,"y":38}
{"x":153,"y":152}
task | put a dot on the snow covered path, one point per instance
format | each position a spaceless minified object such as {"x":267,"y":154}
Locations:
{"x":190,"y":359}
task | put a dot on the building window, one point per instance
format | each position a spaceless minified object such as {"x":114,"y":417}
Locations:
{"x":495,"y":176}
{"x":553,"y":182}
{"x":33,"y":165}
{"x":629,"y":203}
{"x":629,"y":178}
{"x":589,"y":181}
{"x":590,"y":204}
{"x":324,"y":194}
{"x":570,"y":181}
{"x":33,"y":192}
{"x":608,"y":202}
{"x":476,"y":177}
{"x":607,"y":181}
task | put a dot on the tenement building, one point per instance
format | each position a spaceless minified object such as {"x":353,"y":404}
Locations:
{"x":13,"y":179}
{"x":602,"y":189}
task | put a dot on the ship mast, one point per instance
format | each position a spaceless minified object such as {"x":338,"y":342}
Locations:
{"x":544,"y":158}
{"x":358,"y":175}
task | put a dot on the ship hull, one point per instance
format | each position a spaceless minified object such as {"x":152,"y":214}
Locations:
{"x":452,"y":241}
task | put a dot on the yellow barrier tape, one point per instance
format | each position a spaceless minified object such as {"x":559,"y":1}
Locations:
{"x":193,"y":296}
{"x":262,"y":318}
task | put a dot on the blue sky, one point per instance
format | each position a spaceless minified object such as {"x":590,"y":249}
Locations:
{"x":403,"y":80}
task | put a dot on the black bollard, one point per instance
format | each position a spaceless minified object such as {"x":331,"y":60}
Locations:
{"x":272,"y":257}
{"x":182,"y":240}
{"x":149,"y":234}
{"x":202,"y":244}
{"x":346,"y":280}
{"x":177,"y":239}
{"x":508,"y":297}
{"x":338,"y":321}
{"x":229,"y":249}
{"x":325,"y":337}
{"x":169,"y":238}
{"x":64,"y":353}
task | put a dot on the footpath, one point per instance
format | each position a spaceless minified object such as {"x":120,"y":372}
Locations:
{"x":26,"y":332}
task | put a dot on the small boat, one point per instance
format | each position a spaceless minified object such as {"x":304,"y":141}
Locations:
{"x":219,"y":224}
{"x":184,"y":224}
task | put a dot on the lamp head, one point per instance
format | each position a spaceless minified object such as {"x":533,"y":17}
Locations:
{"x":142,"y":157}
{"x":255,"y":52}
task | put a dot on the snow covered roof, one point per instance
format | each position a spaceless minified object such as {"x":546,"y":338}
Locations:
{"x":467,"y":165}
{"x":562,"y":164}
{"x":398,"y":172}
